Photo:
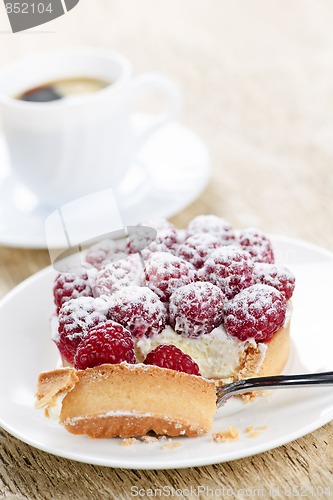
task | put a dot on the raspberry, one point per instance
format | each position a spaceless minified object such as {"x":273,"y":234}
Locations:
{"x":106,"y":251}
{"x":166,"y":272}
{"x":196,"y":308}
{"x":258,"y":311}
{"x":75,"y":318}
{"x":181,"y":236}
{"x":166,"y":233}
{"x":257,"y":244}
{"x":277,"y":276}
{"x":138,"y":309}
{"x":169,"y":356}
{"x":230,"y":268}
{"x":140,"y":237}
{"x":107,"y":342}
{"x":213,"y":225}
{"x":197,"y":248}
{"x":119,"y":274}
{"x":166,"y":238}
{"x":70,"y":286}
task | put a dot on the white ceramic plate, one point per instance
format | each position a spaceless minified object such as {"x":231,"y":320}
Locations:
{"x":172,"y":170}
{"x":285,"y":414}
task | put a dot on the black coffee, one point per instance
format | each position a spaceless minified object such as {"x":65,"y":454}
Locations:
{"x":63,"y":89}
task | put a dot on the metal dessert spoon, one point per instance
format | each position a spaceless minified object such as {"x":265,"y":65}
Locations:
{"x":224,"y":392}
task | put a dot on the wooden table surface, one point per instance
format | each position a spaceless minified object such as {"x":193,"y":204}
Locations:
{"x":257,"y":79}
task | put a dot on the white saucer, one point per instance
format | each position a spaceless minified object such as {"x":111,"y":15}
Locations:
{"x":172,"y":170}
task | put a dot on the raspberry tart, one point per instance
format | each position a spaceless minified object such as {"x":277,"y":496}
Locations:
{"x":144,"y":347}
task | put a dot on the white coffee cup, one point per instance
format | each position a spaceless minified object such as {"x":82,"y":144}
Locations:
{"x":68,"y":148}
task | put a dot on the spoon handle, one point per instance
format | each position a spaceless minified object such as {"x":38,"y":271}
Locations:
{"x":274,"y":382}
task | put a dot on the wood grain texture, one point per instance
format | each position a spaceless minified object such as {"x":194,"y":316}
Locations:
{"x":258,"y":87}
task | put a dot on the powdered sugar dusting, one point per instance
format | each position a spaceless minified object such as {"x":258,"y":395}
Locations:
{"x":166,"y":239}
{"x":139,"y":309}
{"x":196,"y":308}
{"x":230,"y":268}
{"x":119,"y":274}
{"x":213,"y":225}
{"x":75,"y":318}
{"x":197,"y":248}
{"x":82,"y":313}
{"x":106,"y":251}
{"x":277,"y":276}
{"x":70,"y":286}
{"x":166,"y":272}
{"x":257,"y":244}
{"x":258,"y":311}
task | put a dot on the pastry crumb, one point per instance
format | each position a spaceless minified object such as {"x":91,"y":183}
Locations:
{"x":248,"y":397}
{"x":128,"y":442}
{"x":149,"y":439}
{"x":254,"y":432}
{"x":171,"y":445}
{"x":232,"y":434}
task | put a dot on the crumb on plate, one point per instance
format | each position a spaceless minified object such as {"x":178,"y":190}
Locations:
{"x":149,"y":439}
{"x":128,"y":442}
{"x":254,"y":432}
{"x":171,"y":445}
{"x":232,"y":434}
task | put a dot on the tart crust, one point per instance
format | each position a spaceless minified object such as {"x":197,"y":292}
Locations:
{"x":275,"y":357}
{"x":129,"y":400}
{"x":276,"y":354}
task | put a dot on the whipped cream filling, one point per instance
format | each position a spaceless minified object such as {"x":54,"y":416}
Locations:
{"x":218,"y":354}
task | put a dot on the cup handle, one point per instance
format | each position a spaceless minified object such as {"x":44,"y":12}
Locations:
{"x":155,"y":81}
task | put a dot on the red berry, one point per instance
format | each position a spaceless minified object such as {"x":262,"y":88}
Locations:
{"x":230,"y":268}
{"x":70,"y":286}
{"x":106,"y":251}
{"x":138,"y":309}
{"x":213,"y":225}
{"x":140,"y":237}
{"x":75,"y":318}
{"x":166,"y":234}
{"x":257,"y":244}
{"x":108,"y":342}
{"x":169,"y":356}
{"x":166,"y":238}
{"x":181,"y":236}
{"x":119,"y":274}
{"x":258,"y":311}
{"x":196,"y":308}
{"x":197,"y":248}
{"x":166,"y":272}
{"x":277,"y":276}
